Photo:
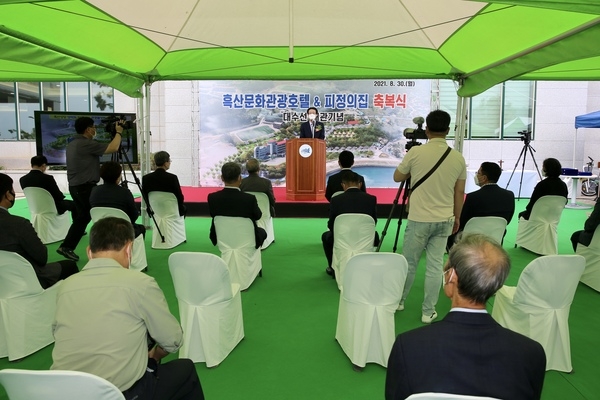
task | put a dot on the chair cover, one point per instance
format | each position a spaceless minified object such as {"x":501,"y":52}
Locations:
{"x":538,"y":234}
{"x":373,"y":284}
{"x":49,"y":225}
{"x":171,"y":224}
{"x":57,"y":385}
{"x":337,"y":193}
{"x":266,"y":221}
{"x":26,"y":310}
{"x":138,"y":258}
{"x":445,"y":396}
{"x":493,"y":227}
{"x":210,"y":307}
{"x":236,"y":241}
{"x":538,"y":307}
{"x":352,"y":234}
{"x":591,"y":253}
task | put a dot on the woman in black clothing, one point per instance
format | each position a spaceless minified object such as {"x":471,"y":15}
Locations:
{"x":551,"y":186}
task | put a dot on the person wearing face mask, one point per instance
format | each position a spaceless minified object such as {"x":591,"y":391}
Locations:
{"x":551,"y":186}
{"x":18,"y":236}
{"x":489,"y":201}
{"x":467,"y":352}
{"x":83,"y":173}
{"x":115,"y":323}
{"x":312,"y":128}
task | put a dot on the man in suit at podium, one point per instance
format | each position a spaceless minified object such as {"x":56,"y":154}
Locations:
{"x":353,"y":200}
{"x":334,"y":183}
{"x":232,"y":202}
{"x":312,"y":129}
{"x":37,"y":178}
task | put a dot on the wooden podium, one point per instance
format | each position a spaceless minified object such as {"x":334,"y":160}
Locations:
{"x":305,"y":169}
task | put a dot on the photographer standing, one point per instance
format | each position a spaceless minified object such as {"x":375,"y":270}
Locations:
{"x":83,"y":173}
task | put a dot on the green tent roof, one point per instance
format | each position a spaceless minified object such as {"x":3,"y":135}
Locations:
{"x":125,"y":44}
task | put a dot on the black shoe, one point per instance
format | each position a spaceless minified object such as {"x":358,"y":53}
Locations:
{"x":357,"y":368}
{"x":68,"y":253}
{"x":329,"y":271}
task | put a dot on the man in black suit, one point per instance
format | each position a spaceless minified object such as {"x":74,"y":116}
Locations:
{"x":232,"y":202}
{"x":254,"y":183}
{"x":468,"y":352}
{"x":37,"y":178}
{"x":489,"y":201}
{"x":334,"y":182}
{"x":353,"y":200}
{"x":162,"y":181}
{"x":312,"y":128}
{"x":110,"y":194}
{"x":18,"y":236}
{"x":585,"y":236}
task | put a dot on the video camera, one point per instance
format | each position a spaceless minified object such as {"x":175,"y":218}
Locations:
{"x":525,"y":135}
{"x":110,"y":124}
{"x":414,"y":134}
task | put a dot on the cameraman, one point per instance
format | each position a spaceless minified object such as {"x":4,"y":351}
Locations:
{"x":83,"y":173}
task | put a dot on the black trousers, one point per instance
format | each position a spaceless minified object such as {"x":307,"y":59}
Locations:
{"x":327,"y":239}
{"x":575,"y":239}
{"x":174,"y":380}
{"x":81,"y":219}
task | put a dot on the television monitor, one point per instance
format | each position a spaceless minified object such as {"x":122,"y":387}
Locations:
{"x":55,"y":129}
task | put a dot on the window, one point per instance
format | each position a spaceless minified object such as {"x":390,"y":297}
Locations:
{"x":8,"y":111}
{"x":29,"y":101}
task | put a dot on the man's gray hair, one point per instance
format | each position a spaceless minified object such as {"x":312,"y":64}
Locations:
{"x":252,"y":165}
{"x":482,"y":266}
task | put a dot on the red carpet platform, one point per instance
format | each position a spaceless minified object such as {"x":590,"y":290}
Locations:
{"x":196,"y":201}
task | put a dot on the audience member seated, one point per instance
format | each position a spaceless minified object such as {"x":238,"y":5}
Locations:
{"x":489,"y":201}
{"x":17,"y":235}
{"x":334,"y":182}
{"x":232,"y":202}
{"x":585,"y":236}
{"x":117,"y":325}
{"x":468,"y":353}
{"x":254,"y":183}
{"x":110,"y":194}
{"x":352,"y":201}
{"x":37,"y":178}
{"x":162,"y":181}
{"x":551,"y":186}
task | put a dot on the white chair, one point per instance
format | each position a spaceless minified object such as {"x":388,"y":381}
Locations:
{"x":538,"y":234}
{"x":236,"y":241}
{"x":337,"y":193}
{"x":210,"y":307}
{"x":57,"y":385}
{"x":591,"y":253}
{"x":372,"y":288}
{"x":49,"y":225}
{"x":352,"y":234}
{"x":446,"y":396}
{"x":493,"y":227}
{"x":538,"y":307}
{"x":26,"y":310}
{"x":171,"y":224}
{"x":138,"y":258}
{"x":266,"y":221}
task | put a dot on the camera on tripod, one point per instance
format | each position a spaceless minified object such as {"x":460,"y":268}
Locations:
{"x":111,"y":121}
{"x":414,"y":134}
{"x":525,"y":135}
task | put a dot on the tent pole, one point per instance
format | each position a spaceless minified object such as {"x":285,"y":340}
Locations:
{"x":144,"y":118}
{"x":574,"y":147}
{"x":461,"y":116}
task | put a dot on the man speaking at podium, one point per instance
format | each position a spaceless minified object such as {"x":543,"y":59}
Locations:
{"x":312,"y":129}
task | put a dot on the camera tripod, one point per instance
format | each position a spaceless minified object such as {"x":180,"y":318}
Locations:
{"x":526,"y":147}
{"x":118,"y":157}
{"x":403,"y":189}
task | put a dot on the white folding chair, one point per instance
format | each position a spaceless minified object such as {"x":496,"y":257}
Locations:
{"x":49,"y":225}
{"x":266,"y":221}
{"x":236,"y":241}
{"x":446,"y":396}
{"x":538,"y":307}
{"x":138,"y":258}
{"x":352,"y":234}
{"x":210,"y":307}
{"x":372,"y":288}
{"x":26,"y":310}
{"x":591,"y":253}
{"x":337,"y":193}
{"x":171,"y":224}
{"x":539,"y":233}
{"x":493,"y":227}
{"x":21,"y":384}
